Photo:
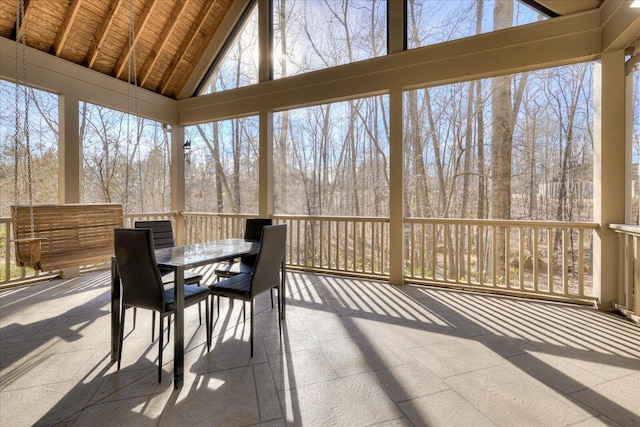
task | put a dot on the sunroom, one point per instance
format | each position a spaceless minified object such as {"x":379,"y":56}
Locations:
{"x":487,"y":145}
{"x":397,"y":143}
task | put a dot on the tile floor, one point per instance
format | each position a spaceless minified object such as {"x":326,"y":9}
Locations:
{"x":353,"y":353}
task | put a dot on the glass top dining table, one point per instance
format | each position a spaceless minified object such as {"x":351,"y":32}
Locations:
{"x":179,"y":259}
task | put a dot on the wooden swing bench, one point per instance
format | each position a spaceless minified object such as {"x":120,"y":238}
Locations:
{"x":65,"y":236}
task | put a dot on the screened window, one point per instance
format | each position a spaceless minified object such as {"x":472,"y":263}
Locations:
{"x":238,"y":65}
{"x":437,"y":21}
{"x":125,"y":159}
{"x":451,"y":134}
{"x":222,"y":166}
{"x":315,"y":34}
{"x":333,"y":159}
{"x":43,"y":134}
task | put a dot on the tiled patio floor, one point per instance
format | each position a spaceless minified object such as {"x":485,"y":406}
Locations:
{"x":353,"y":353}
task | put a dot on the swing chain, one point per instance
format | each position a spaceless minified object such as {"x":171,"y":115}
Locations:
{"x":21,"y":76}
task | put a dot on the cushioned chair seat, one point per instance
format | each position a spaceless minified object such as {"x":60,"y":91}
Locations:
{"x":229,"y":270}
{"x":189,"y":293}
{"x":238,"y":286}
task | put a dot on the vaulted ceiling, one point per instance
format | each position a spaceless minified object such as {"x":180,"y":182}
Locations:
{"x":170,"y":36}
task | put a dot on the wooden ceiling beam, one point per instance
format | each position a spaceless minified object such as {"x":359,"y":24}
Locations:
{"x":19,"y":32}
{"x":178,"y":9}
{"x":186,"y":44}
{"x":65,"y":28}
{"x":121,"y":65}
{"x":101,"y":34}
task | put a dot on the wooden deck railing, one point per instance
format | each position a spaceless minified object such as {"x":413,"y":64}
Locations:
{"x":344,"y":245}
{"x":550,"y":260}
{"x":629,"y":291}
{"x":450,"y":252}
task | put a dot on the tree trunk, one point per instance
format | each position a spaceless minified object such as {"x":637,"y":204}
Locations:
{"x":502,"y":137}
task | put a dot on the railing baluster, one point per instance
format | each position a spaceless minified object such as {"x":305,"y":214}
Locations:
{"x":565,"y":261}
{"x":581,"y":262}
{"x":445,"y":250}
{"x":480,"y":254}
{"x":507,"y":256}
{"x":521,"y":257}
{"x":550,"y":259}
{"x":535,"y":258}
{"x":494,"y":258}
{"x":634,"y":305}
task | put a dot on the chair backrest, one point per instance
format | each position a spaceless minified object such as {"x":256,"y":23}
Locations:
{"x":266,"y":273}
{"x":162,"y":232}
{"x":253,"y":228}
{"x":253,"y":232}
{"x":136,"y":261}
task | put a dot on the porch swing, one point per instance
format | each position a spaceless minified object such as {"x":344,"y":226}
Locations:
{"x":52,"y":237}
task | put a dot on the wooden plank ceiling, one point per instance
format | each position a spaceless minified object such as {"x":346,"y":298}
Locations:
{"x":170,"y":35}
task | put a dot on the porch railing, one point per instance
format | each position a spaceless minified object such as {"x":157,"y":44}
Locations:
{"x":450,"y":252}
{"x":629,"y":291}
{"x":543,"y":259}
{"x":345,"y":245}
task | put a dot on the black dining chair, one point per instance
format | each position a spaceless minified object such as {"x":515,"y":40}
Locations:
{"x":163,"y":238}
{"x":142,"y":284}
{"x":264,"y":276}
{"x":252,"y":232}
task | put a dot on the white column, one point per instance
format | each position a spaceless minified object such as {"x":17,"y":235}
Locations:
{"x":396,"y":44}
{"x":69,"y":147}
{"x":178,"y":186}
{"x":608,"y":172}
{"x":265,"y":185}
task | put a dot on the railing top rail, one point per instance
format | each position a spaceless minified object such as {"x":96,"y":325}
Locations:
{"x":149,"y":214}
{"x":626,"y":229}
{"x":333,"y":218}
{"x":223,"y":214}
{"x":505,"y":222}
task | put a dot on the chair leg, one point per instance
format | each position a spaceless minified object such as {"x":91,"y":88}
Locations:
{"x":160,"y":343}
{"x":271,"y":297}
{"x":121,"y":336}
{"x":135,"y":311}
{"x":210,"y":328}
{"x":153,"y":324}
{"x":251,"y":333}
{"x":208,"y":323}
{"x":279,"y":316}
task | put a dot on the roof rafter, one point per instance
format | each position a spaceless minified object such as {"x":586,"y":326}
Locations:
{"x":177,"y":11}
{"x":187,"y":42}
{"x":142,"y":22}
{"x":65,"y":28}
{"x":101,"y":34}
{"x":19,"y":32}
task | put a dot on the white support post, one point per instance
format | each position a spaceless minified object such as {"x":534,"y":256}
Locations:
{"x":396,"y":11}
{"x":608,"y":175}
{"x":178,"y":186}
{"x":69,"y":149}
{"x":265,"y":185}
